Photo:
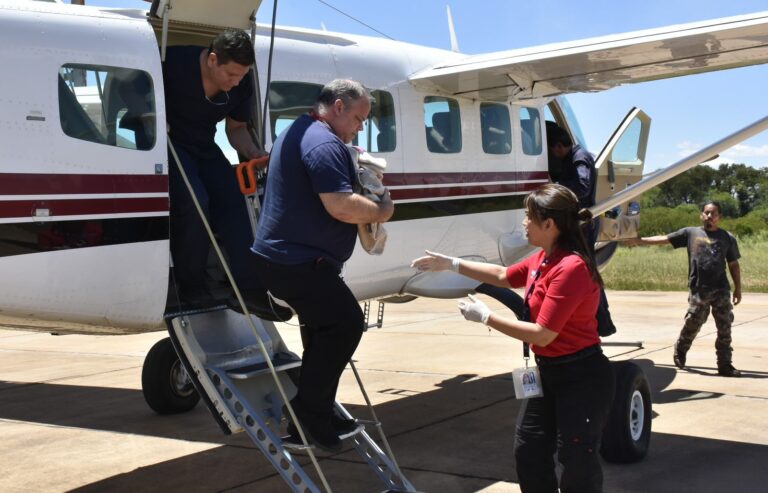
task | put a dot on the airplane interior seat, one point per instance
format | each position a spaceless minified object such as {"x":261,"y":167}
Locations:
{"x":439,"y":134}
{"x":385,"y":141}
{"x":129,"y":91}
{"x":531,"y":138}
{"x":74,"y":120}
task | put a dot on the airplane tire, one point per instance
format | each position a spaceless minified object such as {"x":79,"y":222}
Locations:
{"x":627,"y":432}
{"x":166,"y":386}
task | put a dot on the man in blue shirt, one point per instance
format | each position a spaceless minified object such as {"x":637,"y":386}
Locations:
{"x":307,"y":230}
{"x":577,"y":171}
{"x":202,"y":87}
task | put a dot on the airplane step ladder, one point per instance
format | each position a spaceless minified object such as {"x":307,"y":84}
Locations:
{"x":223,"y":358}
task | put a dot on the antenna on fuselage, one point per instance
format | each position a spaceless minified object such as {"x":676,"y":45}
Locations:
{"x":452,"y":30}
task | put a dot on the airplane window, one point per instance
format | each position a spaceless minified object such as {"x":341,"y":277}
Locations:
{"x":530,"y":126}
{"x":627,"y":148}
{"x":288,"y":101}
{"x":379,"y":133}
{"x":496,"y":129}
{"x":442,"y":124}
{"x":107,"y":105}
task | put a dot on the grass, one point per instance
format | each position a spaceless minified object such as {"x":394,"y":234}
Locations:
{"x":662,"y":268}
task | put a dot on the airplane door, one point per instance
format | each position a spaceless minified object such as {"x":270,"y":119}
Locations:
{"x":619,"y":165}
{"x":236,"y":13}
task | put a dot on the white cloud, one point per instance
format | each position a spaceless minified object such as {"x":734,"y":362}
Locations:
{"x":740,"y":153}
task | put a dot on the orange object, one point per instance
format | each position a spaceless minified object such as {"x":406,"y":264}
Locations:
{"x":246,"y":174}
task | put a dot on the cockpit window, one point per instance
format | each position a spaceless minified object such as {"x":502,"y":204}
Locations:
{"x":442,"y":124}
{"x":495,"y":128}
{"x":107,"y":105}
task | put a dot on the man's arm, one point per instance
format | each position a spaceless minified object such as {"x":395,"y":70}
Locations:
{"x":648,"y":240}
{"x":736,"y":275}
{"x":240,"y":138}
{"x":353,"y":208}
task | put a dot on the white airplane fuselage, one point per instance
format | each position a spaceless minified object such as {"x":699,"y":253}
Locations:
{"x":84,"y":225}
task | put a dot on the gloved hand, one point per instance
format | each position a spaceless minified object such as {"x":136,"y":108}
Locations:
{"x":476,"y":311}
{"x":435,"y":262}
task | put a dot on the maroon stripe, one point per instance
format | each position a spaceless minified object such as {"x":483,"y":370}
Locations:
{"x":50,"y":183}
{"x":59,"y":208}
{"x":395,"y":179}
{"x":449,"y":192}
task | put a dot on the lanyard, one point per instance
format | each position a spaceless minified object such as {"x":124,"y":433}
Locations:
{"x":527,"y":308}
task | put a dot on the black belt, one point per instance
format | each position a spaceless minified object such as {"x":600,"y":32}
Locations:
{"x":568,"y":358}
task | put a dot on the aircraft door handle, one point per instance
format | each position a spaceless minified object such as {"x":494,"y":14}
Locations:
{"x":611,"y":175}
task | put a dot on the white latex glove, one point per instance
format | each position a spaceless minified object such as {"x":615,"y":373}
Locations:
{"x":435,"y":262}
{"x":476,"y":311}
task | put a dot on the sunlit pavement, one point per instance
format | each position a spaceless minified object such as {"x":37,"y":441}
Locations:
{"x":72,"y":415}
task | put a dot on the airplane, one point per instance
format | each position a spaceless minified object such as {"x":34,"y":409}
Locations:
{"x":84,"y":212}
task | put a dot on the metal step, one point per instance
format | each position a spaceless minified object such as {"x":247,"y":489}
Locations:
{"x":280,"y":362}
{"x":223,"y":356}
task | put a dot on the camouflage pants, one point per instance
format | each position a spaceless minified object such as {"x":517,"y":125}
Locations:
{"x":699,"y":305}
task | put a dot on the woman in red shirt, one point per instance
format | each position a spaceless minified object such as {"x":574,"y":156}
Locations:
{"x":562,"y":286}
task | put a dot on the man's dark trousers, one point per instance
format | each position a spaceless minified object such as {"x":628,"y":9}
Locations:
{"x":331,"y":325}
{"x":215,"y":186}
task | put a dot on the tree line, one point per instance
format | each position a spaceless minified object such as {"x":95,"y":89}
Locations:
{"x":741,"y":190}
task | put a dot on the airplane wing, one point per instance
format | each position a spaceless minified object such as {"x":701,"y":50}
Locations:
{"x":601,"y":63}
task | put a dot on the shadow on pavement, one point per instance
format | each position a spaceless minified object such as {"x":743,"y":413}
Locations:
{"x":457,"y":438}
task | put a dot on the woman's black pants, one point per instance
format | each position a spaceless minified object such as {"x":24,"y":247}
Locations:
{"x":569,"y":420}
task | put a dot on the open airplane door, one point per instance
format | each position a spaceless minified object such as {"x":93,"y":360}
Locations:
{"x":620,"y":165}
{"x":236,"y":13}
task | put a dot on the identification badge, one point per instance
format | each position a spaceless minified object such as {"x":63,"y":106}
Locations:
{"x":527,"y":382}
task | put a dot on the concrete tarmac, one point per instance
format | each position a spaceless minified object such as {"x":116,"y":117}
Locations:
{"x":73,"y":418}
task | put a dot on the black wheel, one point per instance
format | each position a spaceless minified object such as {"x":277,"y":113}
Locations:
{"x":167,"y":387}
{"x":627,"y":432}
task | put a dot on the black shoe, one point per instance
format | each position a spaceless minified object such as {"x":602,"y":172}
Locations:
{"x":728,"y":371}
{"x":319,"y":432}
{"x":679,"y":359}
{"x":343,"y":426}
{"x":258,"y":303}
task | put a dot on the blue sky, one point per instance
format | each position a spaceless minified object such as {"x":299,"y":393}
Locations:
{"x":688,"y":112}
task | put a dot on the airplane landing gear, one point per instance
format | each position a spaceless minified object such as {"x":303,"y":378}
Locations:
{"x":167,"y":387}
{"x":627,"y":432}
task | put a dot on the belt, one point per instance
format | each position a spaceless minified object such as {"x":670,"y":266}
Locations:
{"x":568,"y":358}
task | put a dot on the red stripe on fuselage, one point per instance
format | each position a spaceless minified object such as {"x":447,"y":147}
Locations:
{"x":81,"y":207}
{"x":400,"y":179}
{"x":55,"y":183}
{"x":458,"y":191}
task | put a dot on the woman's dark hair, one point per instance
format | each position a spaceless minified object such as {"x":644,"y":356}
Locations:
{"x":233,"y":45}
{"x":556,"y":202}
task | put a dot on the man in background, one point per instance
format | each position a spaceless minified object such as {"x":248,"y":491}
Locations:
{"x":710,"y":250}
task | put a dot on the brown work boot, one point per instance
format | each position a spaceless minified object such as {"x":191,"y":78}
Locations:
{"x":728,"y":371}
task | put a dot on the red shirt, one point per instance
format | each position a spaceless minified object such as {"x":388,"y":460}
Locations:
{"x":564,"y":299}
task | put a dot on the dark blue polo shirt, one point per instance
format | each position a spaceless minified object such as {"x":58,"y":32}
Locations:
{"x":294,"y":227}
{"x":580,"y":176}
{"x":192,"y":117}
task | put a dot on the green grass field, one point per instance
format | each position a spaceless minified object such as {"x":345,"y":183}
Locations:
{"x":662,"y":268}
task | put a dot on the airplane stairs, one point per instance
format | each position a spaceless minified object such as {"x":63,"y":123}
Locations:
{"x":224,"y":355}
